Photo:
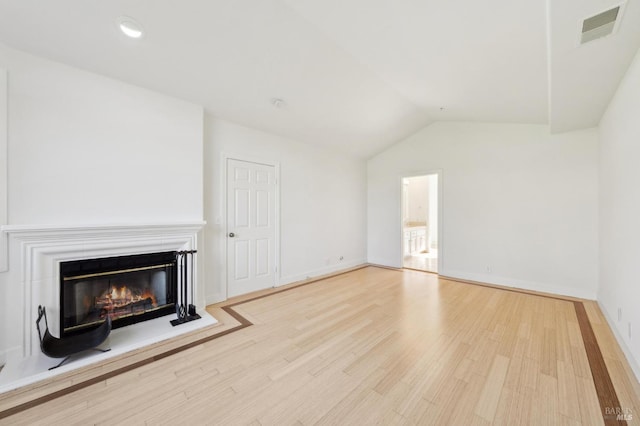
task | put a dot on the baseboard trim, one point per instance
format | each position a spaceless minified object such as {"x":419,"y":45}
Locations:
{"x":623,"y":345}
{"x":514,"y":289}
{"x":520,"y":284}
{"x":322,"y":272}
{"x":293,"y":280}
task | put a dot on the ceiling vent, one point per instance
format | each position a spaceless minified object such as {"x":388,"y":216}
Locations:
{"x":600,"y":25}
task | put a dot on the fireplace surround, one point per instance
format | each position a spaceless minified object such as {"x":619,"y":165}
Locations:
{"x":36,"y":256}
{"x":37,"y":253}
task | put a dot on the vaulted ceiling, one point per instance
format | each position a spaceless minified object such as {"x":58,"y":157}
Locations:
{"x":356,"y":75}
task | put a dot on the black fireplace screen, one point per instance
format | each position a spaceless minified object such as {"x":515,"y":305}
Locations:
{"x":128,"y":288}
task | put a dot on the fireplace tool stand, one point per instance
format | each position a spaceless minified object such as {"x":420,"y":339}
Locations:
{"x":186,"y":312}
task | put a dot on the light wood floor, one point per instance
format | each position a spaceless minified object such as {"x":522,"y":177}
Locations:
{"x":372,"y":346}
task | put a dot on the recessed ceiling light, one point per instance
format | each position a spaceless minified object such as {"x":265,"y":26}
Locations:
{"x":130,"y":27}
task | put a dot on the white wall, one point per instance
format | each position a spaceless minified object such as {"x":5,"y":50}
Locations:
{"x":322,"y":202}
{"x":515,"y":199}
{"x":85,"y":149}
{"x":88,"y":149}
{"x":620,"y":213}
{"x":418,"y":199}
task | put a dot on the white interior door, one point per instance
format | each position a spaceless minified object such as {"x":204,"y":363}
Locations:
{"x":251,"y":227}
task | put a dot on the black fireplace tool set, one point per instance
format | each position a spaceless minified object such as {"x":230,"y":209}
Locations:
{"x":186,"y":312}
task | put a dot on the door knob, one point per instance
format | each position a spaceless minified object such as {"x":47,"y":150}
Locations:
{"x":231,"y":234}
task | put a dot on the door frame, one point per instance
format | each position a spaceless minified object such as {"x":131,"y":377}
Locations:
{"x":437,"y":172}
{"x":225,"y":221}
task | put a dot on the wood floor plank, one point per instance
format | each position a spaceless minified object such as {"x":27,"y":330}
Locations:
{"x":488,"y":402}
{"x":568,"y":392}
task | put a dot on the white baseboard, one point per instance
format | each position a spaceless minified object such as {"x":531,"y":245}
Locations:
{"x":635,"y":367}
{"x":320,"y":271}
{"x":522,"y":284}
{"x":383,"y":262}
{"x":218,"y":297}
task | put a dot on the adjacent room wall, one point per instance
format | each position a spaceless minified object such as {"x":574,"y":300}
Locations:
{"x":86,"y":149}
{"x":418,"y":199}
{"x":620,"y":214}
{"x":519,"y":205}
{"x":322,"y":202}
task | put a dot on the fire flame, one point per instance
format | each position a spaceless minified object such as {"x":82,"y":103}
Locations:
{"x":122,"y":296}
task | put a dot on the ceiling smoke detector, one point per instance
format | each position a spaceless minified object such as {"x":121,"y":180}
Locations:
{"x":600,"y":25}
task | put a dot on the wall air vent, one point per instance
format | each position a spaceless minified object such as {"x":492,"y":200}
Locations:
{"x":600,"y":25}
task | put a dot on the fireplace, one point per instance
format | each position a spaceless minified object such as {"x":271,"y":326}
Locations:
{"x":130,"y":289}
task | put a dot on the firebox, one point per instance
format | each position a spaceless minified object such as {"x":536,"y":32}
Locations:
{"x":128,"y":288}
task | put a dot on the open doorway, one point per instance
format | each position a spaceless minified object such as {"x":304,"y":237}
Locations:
{"x":420,"y":222}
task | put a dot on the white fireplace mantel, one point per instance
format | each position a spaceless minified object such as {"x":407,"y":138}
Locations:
{"x":31,"y":231}
{"x":42,"y":248}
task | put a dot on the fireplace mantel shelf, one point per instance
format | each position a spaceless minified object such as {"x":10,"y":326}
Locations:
{"x":89,"y":228}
